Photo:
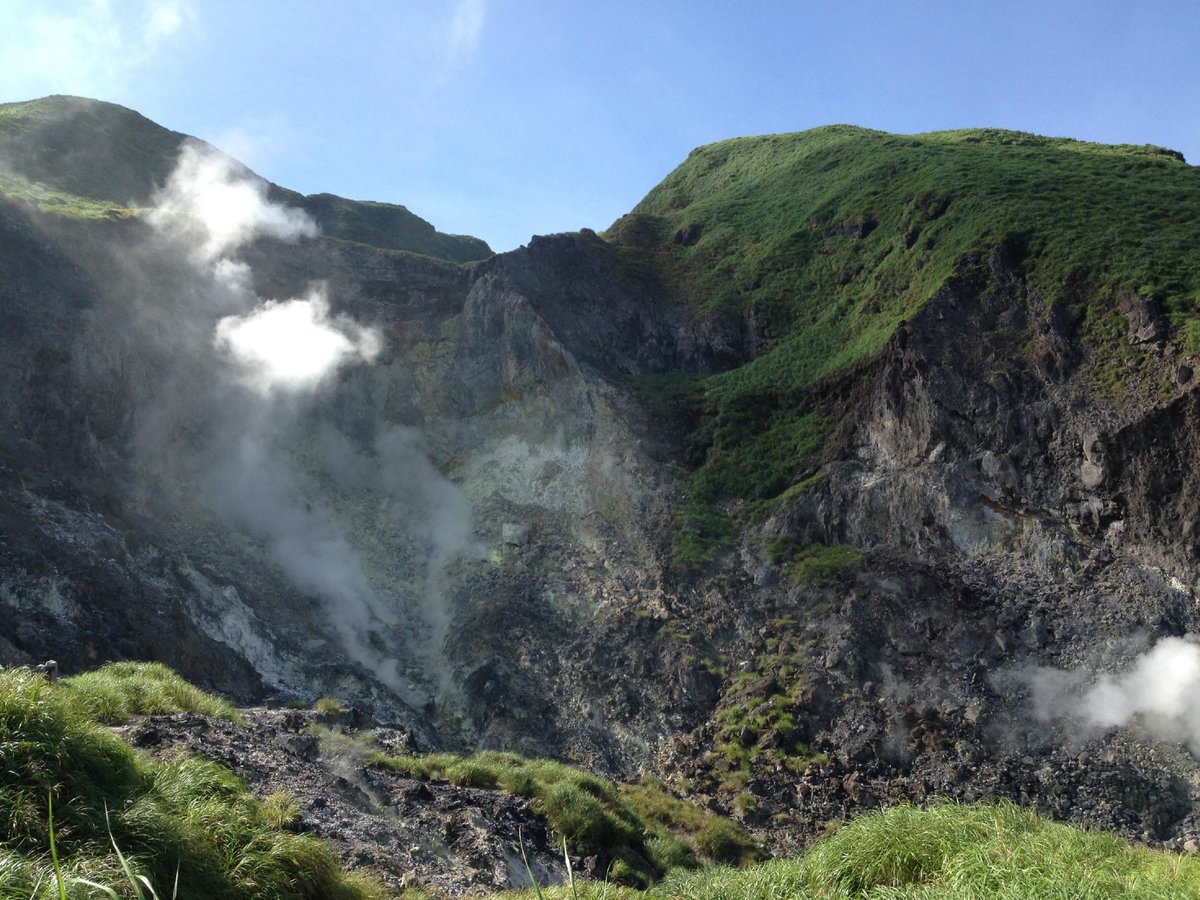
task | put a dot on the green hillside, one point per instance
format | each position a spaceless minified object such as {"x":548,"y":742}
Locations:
{"x":830,"y":238}
{"x":384,"y":225}
{"x":86,"y":158}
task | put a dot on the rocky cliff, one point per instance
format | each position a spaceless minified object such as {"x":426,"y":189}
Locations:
{"x":848,"y":467}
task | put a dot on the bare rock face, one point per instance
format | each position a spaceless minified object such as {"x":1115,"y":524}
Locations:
{"x":484,"y":473}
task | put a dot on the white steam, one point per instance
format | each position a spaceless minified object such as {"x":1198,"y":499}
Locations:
{"x":216,"y":206}
{"x":293,"y":345}
{"x":1160,"y":693}
{"x":266,"y":365}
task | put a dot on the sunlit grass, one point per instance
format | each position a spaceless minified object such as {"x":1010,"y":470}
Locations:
{"x":640,"y":829}
{"x":953,"y":852}
{"x":943,"y":852}
{"x":117,"y":691}
{"x":173,"y":815}
{"x":58,"y":203}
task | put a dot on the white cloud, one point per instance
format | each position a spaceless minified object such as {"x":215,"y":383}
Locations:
{"x":466,"y":27}
{"x":165,"y":19}
{"x":88,"y":47}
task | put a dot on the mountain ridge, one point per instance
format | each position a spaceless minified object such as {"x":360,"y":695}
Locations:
{"x":822,"y":242}
{"x":112,"y":155}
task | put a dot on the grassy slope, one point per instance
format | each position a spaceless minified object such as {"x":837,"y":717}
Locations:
{"x":383,"y":225}
{"x":945,"y":852}
{"x":177,"y":815}
{"x":85,"y":158}
{"x":831,"y":237}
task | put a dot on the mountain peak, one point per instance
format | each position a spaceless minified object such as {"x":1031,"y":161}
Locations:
{"x":105,"y":154}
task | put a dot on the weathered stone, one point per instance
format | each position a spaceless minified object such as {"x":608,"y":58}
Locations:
{"x":1091,"y":475}
{"x":514,"y":534}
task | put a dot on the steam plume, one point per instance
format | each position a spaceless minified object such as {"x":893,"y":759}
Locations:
{"x":1160,"y":692}
{"x":269,"y":364}
{"x":216,"y":206}
{"x":293,"y":345}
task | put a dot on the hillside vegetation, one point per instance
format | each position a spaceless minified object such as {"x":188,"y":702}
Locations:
{"x":87,"y":159}
{"x":638,"y":832}
{"x":177,"y":818}
{"x":825,"y":241}
{"x":185,"y":819}
{"x":947,"y":852}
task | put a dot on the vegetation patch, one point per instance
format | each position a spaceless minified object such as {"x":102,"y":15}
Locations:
{"x":117,"y":691}
{"x":824,"y":241}
{"x":58,"y":203}
{"x":641,"y":831}
{"x":757,"y":720}
{"x":955,"y":852}
{"x":384,"y":225}
{"x":754,"y":455}
{"x":944,"y":852}
{"x":178,"y":817}
{"x":820,"y":564}
{"x":87,"y":148}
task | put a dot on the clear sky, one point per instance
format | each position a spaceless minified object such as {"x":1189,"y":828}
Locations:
{"x":507,"y":118}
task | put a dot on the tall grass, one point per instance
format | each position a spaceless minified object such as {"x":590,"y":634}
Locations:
{"x":956,"y":852}
{"x":943,"y":852}
{"x":175,"y":816}
{"x":117,"y":691}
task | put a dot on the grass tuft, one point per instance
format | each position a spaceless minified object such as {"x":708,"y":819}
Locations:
{"x":641,"y":829}
{"x":118,"y":691}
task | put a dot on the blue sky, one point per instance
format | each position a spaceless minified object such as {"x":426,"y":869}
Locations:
{"x":507,"y":118}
